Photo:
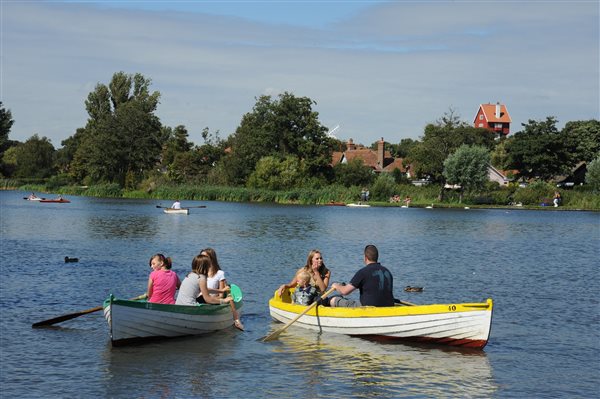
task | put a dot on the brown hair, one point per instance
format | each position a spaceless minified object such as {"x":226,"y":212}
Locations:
{"x":213,"y":258}
{"x":166,"y":261}
{"x":371,"y":253}
{"x":201,"y":264}
{"x":322,"y":269}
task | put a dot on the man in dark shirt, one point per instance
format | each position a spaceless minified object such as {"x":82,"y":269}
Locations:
{"x":374,"y":282}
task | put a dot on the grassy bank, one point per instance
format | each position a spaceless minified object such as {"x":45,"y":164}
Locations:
{"x":538,"y":196}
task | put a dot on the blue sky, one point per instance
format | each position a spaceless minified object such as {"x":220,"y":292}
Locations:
{"x":375,"y":68}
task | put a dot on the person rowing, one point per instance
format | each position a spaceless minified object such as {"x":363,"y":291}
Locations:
{"x":374,"y":281}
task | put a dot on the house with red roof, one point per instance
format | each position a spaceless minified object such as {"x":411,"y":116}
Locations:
{"x":379,"y":160}
{"x":493,"y":117}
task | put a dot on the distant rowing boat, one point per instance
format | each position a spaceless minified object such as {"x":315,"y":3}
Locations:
{"x":359,"y":205}
{"x":183,"y":211}
{"x":57,"y":200}
{"x":332,"y":203}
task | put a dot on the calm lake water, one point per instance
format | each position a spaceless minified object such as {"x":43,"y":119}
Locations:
{"x":540,"y":267}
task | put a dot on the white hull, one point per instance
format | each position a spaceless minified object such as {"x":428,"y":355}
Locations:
{"x":468,"y":325}
{"x":177,"y":211}
{"x":359,"y":205}
{"x":142,"y":321}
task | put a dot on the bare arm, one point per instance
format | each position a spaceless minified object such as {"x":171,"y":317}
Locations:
{"x":291,"y":284}
{"x":322,"y":283}
{"x":343,"y":289}
{"x":208,"y":298}
{"x":149,"y":289}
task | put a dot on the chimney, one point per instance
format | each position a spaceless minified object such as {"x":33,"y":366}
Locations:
{"x":350,"y":145}
{"x":497,"y":110}
{"x":380,"y":152}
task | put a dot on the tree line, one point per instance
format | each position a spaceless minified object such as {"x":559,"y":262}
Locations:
{"x":278,"y":145}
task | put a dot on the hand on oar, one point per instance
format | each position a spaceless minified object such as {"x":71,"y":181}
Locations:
{"x":274,"y":335}
{"x":70,"y":316}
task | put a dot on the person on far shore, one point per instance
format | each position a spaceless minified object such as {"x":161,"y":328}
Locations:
{"x":176,"y":205}
{"x":374,"y":282}
{"x":163,"y":282}
{"x":315,"y":267}
{"x":557,"y":199}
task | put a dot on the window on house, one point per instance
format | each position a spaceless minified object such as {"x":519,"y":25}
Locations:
{"x":481,"y":125}
{"x":498,"y":125}
{"x":481,"y":117}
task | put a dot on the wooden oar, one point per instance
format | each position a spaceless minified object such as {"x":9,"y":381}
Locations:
{"x":274,"y":335}
{"x":186,"y":207}
{"x":404,"y":302}
{"x":70,"y":316}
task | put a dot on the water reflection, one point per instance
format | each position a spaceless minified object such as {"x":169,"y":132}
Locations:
{"x":180,"y":367}
{"x":279,"y":227}
{"x":137,"y":226}
{"x":383,"y":370}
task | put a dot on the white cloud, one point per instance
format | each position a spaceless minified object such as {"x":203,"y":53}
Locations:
{"x":386,"y":71}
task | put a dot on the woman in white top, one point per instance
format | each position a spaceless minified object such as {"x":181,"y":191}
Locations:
{"x":194,"y":285}
{"x":217,"y":284}
{"x":176,"y":205}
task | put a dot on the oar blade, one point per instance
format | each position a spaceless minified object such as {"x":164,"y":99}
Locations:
{"x":70,"y":316}
{"x":274,"y":335}
{"x":65,"y":317}
{"x":236,"y":293}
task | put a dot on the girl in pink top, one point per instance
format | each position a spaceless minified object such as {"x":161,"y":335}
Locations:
{"x":163,"y":282}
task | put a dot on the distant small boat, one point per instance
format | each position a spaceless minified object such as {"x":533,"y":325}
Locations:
{"x":57,"y":200}
{"x":183,"y":211}
{"x":332,"y":203}
{"x":359,"y":205}
{"x":33,"y":198}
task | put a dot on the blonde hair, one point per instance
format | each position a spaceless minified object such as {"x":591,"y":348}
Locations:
{"x":304,"y":276}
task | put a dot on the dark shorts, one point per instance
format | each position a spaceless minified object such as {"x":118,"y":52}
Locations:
{"x":347,"y":303}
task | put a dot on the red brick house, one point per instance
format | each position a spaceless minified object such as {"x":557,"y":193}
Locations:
{"x":493,"y":117}
{"x":379,"y":160}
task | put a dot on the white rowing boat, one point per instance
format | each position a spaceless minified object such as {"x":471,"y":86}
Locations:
{"x":359,"y":205}
{"x":456,"y":324}
{"x":182,"y":211}
{"x":136,"y":321}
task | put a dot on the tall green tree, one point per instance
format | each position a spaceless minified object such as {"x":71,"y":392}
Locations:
{"x":592,"y":177}
{"x":279,"y":127}
{"x":121,"y":141}
{"x":539,"y":150}
{"x":34,"y":158}
{"x":175,"y":142}
{"x":468,"y":168}
{"x":276,"y":173}
{"x":442,"y":139}
{"x":6,"y":123}
{"x":583,"y":139}
{"x":353,"y":173}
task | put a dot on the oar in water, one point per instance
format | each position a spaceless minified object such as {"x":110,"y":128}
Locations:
{"x":274,"y":335}
{"x":70,"y":316}
{"x":236,"y":294}
{"x":185,"y":207}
